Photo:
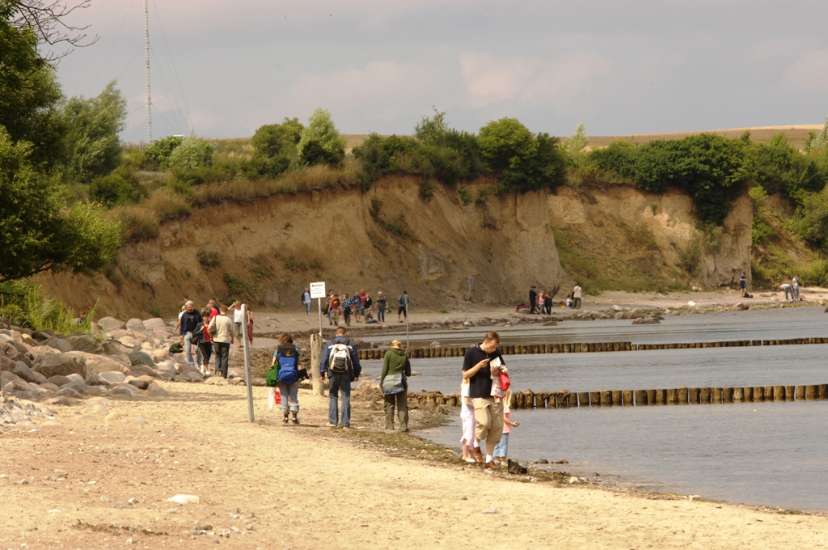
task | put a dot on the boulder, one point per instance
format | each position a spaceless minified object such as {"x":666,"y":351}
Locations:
{"x":6,"y":363}
{"x":216,"y":381}
{"x":96,"y":363}
{"x":63,"y":401}
{"x":156,"y":324}
{"x":190,"y":376}
{"x":135,"y":325}
{"x":108,"y":324}
{"x":17,"y":383}
{"x":141,"y":358}
{"x":111,"y":378}
{"x":143,"y":370}
{"x":166,"y":369}
{"x":97,"y":391}
{"x":159,"y":354}
{"x":37,"y":351}
{"x":124,"y":391}
{"x":75,"y":379}
{"x":22,"y":370}
{"x":154,"y":389}
{"x":85,"y":342}
{"x":141,"y":382}
{"x":60,"y":363}
{"x":59,"y":344}
{"x":68,"y":391}
{"x":129,"y":341}
{"x":58,"y":380}
{"x":50,"y":387}
{"x":9,"y":350}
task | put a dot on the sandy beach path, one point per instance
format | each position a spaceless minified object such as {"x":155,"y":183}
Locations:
{"x":99,"y":477}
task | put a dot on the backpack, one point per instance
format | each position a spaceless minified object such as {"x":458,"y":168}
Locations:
{"x":288,"y":369}
{"x":339,"y":360}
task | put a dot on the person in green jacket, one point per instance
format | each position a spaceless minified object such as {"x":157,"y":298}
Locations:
{"x":395,"y":370}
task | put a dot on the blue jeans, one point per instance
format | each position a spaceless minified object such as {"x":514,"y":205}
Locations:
{"x":339,"y":383}
{"x":188,"y":348}
{"x":501,"y":450}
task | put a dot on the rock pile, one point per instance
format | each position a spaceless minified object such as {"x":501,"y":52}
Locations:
{"x":121,"y":360}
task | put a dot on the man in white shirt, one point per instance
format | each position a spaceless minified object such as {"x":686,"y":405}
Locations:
{"x":577,"y":295}
{"x":221,"y":329}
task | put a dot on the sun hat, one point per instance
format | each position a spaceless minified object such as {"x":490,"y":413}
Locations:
{"x":396,"y":344}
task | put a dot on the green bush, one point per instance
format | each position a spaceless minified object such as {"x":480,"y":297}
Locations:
{"x":22,"y":303}
{"x":780,"y":168}
{"x":320,"y":142}
{"x":811,"y":220}
{"x":157,"y":155}
{"x":119,"y":187}
{"x":192,"y":160}
{"x":209,"y":259}
{"x":137,"y":223}
{"x":276,"y":148}
{"x":618,"y":158}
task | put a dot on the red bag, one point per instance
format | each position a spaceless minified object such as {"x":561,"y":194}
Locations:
{"x":277,"y":396}
{"x":505,"y":381}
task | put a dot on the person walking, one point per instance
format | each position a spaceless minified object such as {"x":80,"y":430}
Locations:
{"x":743,"y":284}
{"x":286,"y":361}
{"x":346,"y":310}
{"x":306,"y":301}
{"x":577,"y":296}
{"x":396,"y":368}
{"x":205,"y":341}
{"x":547,"y":303}
{"x":402,"y":310}
{"x":222,"y":332}
{"x":382,"y":304}
{"x":795,"y":288}
{"x":480,"y":364}
{"x":533,"y":299}
{"x":335,"y":310}
{"x":190,"y":324}
{"x":340,"y":364}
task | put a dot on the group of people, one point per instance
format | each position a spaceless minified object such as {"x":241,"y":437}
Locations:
{"x":211,"y":331}
{"x":485,"y":412}
{"x":360,"y":307}
{"x":541,"y":302}
{"x":791,"y":289}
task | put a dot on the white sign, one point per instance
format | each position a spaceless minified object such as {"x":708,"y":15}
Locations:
{"x":317,"y":290}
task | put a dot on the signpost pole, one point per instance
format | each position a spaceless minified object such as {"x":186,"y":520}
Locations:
{"x":317,"y":290}
{"x":246,"y":346}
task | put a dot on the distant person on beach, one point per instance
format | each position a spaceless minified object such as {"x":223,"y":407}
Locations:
{"x":795,"y":288}
{"x":480,"y":364}
{"x":382,"y":303}
{"x":402,"y":311}
{"x":742,"y":284}
{"x":396,"y":368}
{"x":577,"y":296}
{"x":541,"y":298}
{"x":189,"y":327}
{"x":786,"y":288}
{"x":335,"y":310}
{"x":286,"y":361}
{"x":547,"y":303}
{"x":222,"y":332}
{"x":235,"y":307}
{"x":533,"y":299}
{"x":213,"y":309}
{"x":501,"y":451}
{"x":346,"y":310}
{"x":340,"y":364}
{"x":306,"y":301}
{"x":205,"y":341}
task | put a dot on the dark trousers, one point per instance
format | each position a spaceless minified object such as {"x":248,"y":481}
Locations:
{"x":206,"y":351}
{"x":398,"y":401}
{"x":577,"y":303}
{"x":222,"y":351}
{"x":381,"y":314}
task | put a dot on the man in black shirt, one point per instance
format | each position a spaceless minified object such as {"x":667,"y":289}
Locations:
{"x":190,"y":327}
{"x":480,"y":363}
{"x":533,"y":299}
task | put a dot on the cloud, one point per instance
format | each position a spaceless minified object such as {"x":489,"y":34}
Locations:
{"x":491,"y":79}
{"x":809,"y":72}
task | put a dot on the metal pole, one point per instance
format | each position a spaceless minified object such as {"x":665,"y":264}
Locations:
{"x":407,"y":313}
{"x":319,"y":304}
{"x":246,"y":346}
{"x":148,"y":72}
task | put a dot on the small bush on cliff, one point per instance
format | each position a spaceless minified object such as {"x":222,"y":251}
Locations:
{"x":320,"y":142}
{"x":276,"y":148}
{"x":208,"y":259}
{"x":191,"y":161}
{"x":119,"y":187}
{"x":157,"y":155}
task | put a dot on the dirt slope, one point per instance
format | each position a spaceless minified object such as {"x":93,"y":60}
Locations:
{"x":457,"y":246}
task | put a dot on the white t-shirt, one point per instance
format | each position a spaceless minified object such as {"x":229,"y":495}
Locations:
{"x":577,"y":292}
{"x":237,"y":315}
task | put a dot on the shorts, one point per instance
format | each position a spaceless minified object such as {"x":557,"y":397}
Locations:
{"x":488,"y":420}
{"x":402,"y":310}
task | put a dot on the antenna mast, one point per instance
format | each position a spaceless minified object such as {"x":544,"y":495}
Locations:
{"x":148,"y":73}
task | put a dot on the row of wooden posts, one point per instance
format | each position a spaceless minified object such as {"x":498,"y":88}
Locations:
{"x":591,"y":347}
{"x":629,"y":398}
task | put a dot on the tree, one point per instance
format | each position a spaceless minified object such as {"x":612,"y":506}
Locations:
{"x":36,"y":232}
{"x":506,"y":143}
{"x":275,"y":147}
{"x":47,"y":20}
{"x":193,"y":153}
{"x":320,"y":142}
{"x":92,"y":145}
{"x":158,"y":153}
{"x":29,"y":93}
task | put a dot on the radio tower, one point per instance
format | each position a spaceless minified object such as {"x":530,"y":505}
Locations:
{"x":148,"y":73}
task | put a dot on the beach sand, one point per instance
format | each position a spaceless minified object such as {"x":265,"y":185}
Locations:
{"x":100,"y":474}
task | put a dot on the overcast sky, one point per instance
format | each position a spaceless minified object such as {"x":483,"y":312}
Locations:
{"x":221,"y":68}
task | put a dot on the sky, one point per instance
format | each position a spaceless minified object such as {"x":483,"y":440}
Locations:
{"x":222,"y":68}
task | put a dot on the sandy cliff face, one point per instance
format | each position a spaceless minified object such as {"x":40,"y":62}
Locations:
{"x":443,"y":251}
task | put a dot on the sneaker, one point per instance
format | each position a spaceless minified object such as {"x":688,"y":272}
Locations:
{"x":296,"y":418}
{"x":331,"y":425}
{"x":285,"y":419}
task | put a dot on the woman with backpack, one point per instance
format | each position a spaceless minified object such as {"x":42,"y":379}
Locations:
{"x":286,"y":363}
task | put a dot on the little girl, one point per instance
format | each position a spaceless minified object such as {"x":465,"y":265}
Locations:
{"x":471,"y":449}
{"x":501,"y":451}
